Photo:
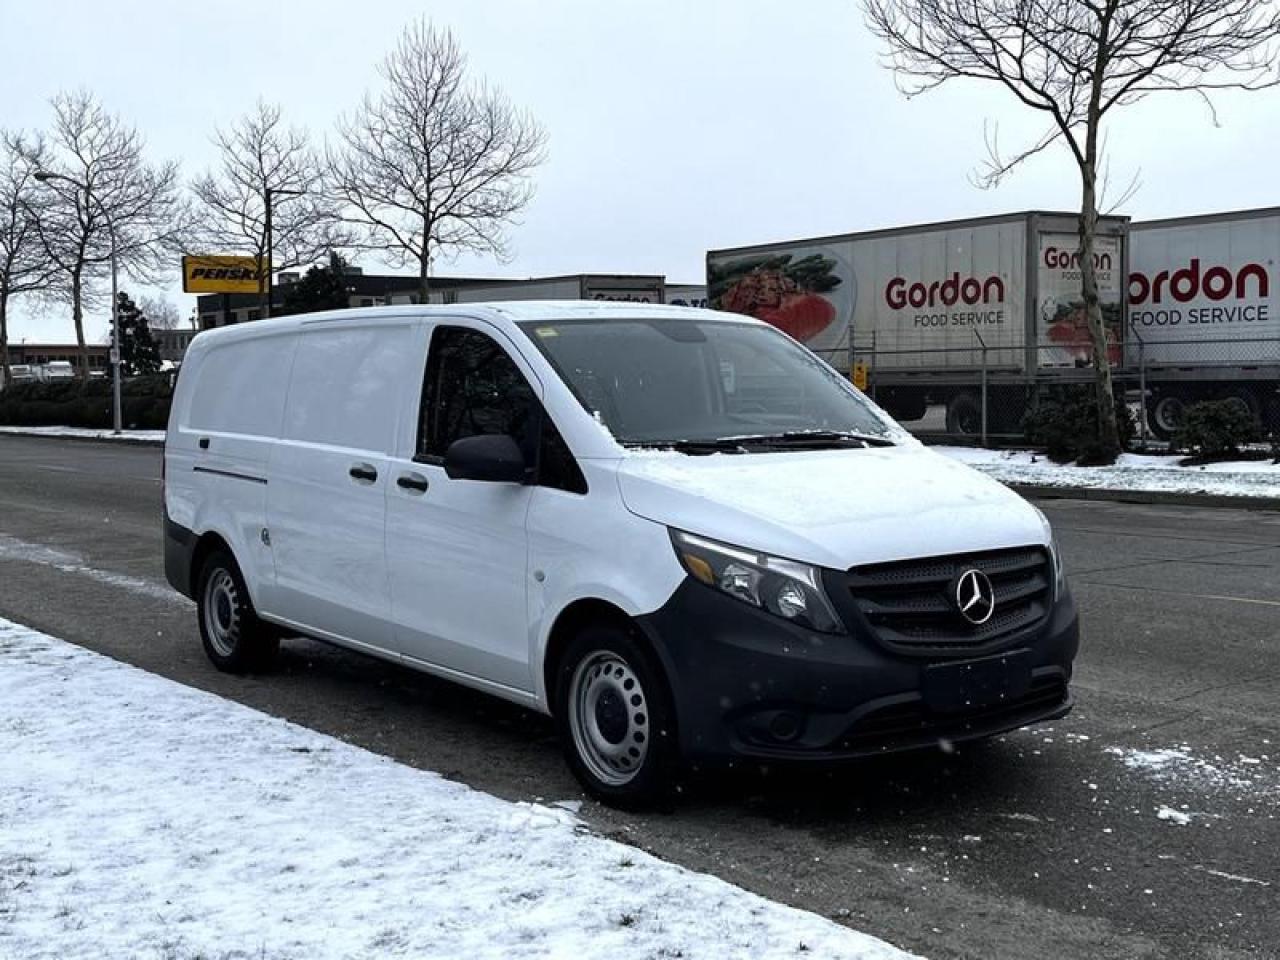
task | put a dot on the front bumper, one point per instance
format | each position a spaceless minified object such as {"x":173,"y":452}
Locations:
{"x":748,"y":684}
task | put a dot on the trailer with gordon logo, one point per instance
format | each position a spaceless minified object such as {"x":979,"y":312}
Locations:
{"x":939,"y":314}
{"x":1204,"y":313}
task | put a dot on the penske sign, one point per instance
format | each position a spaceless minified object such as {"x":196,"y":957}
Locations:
{"x":210,"y":273}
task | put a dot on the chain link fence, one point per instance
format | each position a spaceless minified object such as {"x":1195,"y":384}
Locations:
{"x":982,"y":394}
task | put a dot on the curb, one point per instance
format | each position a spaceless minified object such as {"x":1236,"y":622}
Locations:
{"x":124,"y":439}
{"x":1152,"y":497}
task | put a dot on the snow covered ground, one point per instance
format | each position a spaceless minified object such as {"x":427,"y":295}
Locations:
{"x":145,"y":436}
{"x":1133,"y":471}
{"x":139,"y":817}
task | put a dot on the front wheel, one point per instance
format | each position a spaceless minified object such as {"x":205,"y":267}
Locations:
{"x":616,"y":721}
{"x":234,"y":639}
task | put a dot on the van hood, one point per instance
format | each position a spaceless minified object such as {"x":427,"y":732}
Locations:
{"x":833,"y":508}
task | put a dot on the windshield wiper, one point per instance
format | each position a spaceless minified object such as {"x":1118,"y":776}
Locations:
{"x":817,"y":439}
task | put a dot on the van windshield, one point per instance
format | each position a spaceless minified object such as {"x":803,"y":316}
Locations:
{"x":705,"y":386}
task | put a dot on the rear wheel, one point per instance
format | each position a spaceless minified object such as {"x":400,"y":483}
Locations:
{"x":964,"y":415}
{"x":234,"y":639}
{"x":1164,"y":415}
{"x":613,"y":708}
{"x":1245,"y":402}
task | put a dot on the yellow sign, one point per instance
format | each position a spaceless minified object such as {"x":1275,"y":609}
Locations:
{"x":211,"y":273}
{"x":860,"y":375}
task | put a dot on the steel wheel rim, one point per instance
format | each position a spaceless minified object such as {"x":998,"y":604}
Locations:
{"x":1168,"y":414}
{"x":609,"y":718}
{"x":1241,"y":405}
{"x":222,"y":613}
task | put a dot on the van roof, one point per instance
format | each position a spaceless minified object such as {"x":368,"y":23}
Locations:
{"x":501,"y":313}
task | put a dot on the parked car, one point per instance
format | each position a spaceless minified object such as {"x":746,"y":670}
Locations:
{"x":55,"y":371}
{"x":20,"y":373}
{"x":676,"y":531}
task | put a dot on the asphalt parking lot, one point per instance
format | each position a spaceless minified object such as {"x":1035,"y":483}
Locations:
{"x":1143,"y":825}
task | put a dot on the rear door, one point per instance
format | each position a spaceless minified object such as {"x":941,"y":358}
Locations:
{"x":326,"y":503}
{"x":457,"y":550}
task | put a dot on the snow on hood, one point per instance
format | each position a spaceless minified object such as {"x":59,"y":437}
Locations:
{"x":835,"y":508}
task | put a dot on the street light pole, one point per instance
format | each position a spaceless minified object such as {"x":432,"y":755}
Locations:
{"x":117,"y":417}
{"x":269,"y":280}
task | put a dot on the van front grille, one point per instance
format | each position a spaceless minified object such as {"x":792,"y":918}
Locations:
{"x":910,"y":604}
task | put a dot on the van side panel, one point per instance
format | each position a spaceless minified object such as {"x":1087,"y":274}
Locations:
{"x":225,"y":420}
{"x":326,"y":503}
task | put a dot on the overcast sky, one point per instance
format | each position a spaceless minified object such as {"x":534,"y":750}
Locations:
{"x":675,"y":126}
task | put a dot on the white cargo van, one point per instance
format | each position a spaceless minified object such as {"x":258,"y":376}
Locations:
{"x":675,"y":530}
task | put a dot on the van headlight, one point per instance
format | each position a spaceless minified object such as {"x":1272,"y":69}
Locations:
{"x":1055,"y":557}
{"x":785,"y":588}
{"x":1059,"y":573}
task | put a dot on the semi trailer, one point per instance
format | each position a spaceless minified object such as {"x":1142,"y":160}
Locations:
{"x":971,"y":315}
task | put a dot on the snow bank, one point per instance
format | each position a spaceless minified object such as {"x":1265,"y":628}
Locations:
{"x":144,"y":436}
{"x":139,"y":817}
{"x":1133,"y":471}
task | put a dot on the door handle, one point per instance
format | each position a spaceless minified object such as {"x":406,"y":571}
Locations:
{"x":204,"y":443}
{"x":364,"y":472}
{"x":412,"y":481}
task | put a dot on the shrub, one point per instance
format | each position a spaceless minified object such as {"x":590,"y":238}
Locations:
{"x":145,"y":403}
{"x":1215,"y":429}
{"x":1065,"y":424}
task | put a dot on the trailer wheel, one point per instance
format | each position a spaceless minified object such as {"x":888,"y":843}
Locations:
{"x":1164,"y":415}
{"x":964,"y":415}
{"x":1246,"y":402}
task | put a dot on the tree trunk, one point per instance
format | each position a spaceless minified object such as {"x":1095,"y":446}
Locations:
{"x":4,"y":338}
{"x":77,"y":317}
{"x":424,"y":264}
{"x":424,"y":280}
{"x":1108,"y":433}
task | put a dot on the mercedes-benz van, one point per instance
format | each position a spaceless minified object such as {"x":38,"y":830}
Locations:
{"x":676,"y":531}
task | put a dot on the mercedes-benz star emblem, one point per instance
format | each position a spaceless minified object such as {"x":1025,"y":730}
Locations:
{"x":975,"y":596}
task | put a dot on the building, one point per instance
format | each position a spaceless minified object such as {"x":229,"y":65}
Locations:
{"x":173,"y":343}
{"x":33,"y":353}
{"x":363,"y":289}
{"x":373,"y":290}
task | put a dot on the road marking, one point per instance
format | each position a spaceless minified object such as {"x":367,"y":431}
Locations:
{"x":11,"y":548}
{"x":1233,"y":876}
{"x":1179,"y":593}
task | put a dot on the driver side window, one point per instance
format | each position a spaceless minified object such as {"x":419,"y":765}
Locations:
{"x":472,"y":387}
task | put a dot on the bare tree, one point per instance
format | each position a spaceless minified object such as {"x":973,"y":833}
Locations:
{"x":24,"y":267}
{"x":434,"y":163}
{"x":103,"y":194}
{"x":267,"y":199}
{"x":1075,"y":62}
{"x":161,"y":313}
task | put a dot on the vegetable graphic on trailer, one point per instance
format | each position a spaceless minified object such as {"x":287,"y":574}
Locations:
{"x":808,"y":292}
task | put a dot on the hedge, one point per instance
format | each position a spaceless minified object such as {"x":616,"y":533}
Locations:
{"x":72,"y":403}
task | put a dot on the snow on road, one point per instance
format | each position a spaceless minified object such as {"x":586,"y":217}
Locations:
{"x":139,"y":817}
{"x":83,"y":433}
{"x":1133,"y":471}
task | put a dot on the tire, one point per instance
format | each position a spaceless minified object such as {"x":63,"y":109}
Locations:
{"x":1246,"y":402}
{"x":616,"y":720}
{"x":964,"y":415}
{"x":1164,"y":415}
{"x":234,"y":639}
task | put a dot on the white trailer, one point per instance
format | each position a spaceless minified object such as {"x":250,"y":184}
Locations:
{"x":940,"y":313}
{"x":1204,"y":313}
{"x":637,"y":288}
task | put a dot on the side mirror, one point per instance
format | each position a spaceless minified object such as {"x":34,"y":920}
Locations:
{"x":490,"y":458}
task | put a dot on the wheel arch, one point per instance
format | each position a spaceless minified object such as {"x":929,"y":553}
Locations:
{"x":579,"y":614}
{"x":207,"y":543}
